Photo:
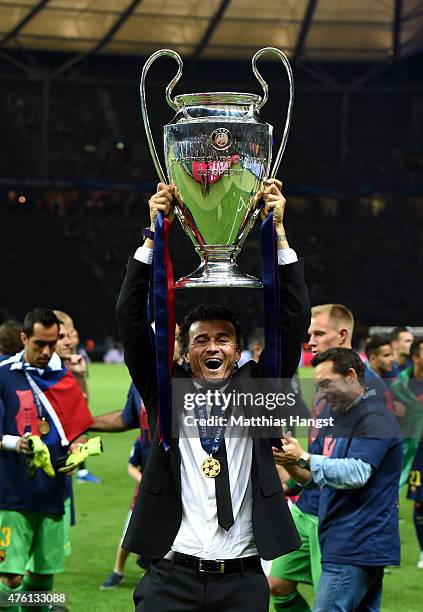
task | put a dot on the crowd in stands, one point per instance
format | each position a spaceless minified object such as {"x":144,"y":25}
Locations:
{"x":353,"y":248}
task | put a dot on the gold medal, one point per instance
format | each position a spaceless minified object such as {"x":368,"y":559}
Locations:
{"x":43,"y":427}
{"x":210,"y":467}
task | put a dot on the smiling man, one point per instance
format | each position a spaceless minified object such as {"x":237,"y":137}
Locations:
{"x":356,"y":464}
{"x":196,"y":524}
{"x":331,"y":326}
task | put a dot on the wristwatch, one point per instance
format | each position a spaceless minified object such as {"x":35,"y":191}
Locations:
{"x":304,"y":461}
{"x":147,"y":233}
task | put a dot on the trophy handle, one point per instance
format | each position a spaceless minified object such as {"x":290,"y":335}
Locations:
{"x":169,"y":100}
{"x":265,"y":87}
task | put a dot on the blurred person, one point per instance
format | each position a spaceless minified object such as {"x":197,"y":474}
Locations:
{"x":401,"y":340}
{"x":77,"y":363}
{"x":256,"y":344}
{"x":380,"y":361}
{"x":169,"y":521}
{"x":38,"y":398}
{"x":63,"y":349}
{"x":331,"y":326}
{"x":10,"y":338}
{"x":114,"y":355}
{"x":136,"y":465}
{"x":415,"y":493}
{"x":408,"y":388}
{"x":380,"y":355}
{"x":356,"y":463}
{"x":255,"y":347}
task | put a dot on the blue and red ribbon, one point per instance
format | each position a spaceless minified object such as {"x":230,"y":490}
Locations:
{"x":165,"y":319}
{"x":272,"y":329}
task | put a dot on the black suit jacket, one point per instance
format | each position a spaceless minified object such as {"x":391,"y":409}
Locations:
{"x":157,"y":514}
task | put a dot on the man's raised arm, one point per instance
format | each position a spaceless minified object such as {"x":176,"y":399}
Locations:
{"x":294,"y":299}
{"x":131,"y":307}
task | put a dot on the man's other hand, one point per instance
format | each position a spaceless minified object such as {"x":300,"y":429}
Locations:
{"x":163,"y":200}
{"x":292,"y":449}
{"x":271,"y":194}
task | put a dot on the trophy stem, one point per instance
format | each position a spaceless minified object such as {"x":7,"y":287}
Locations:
{"x":218,"y":269}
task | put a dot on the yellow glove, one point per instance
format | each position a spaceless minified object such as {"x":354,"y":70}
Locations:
{"x":94,"y":446}
{"x":41,"y":456}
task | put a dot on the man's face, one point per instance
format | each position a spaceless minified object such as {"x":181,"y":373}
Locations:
{"x":74,"y":339}
{"x":40,"y":346}
{"x":337,"y":390}
{"x":383,"y":360}
{"x":256,"y":349}
{"x":323,"y":334}
{"x":212,"y":351}
{"x":418,"y":363}
{"x":64,"y":343}
{"x":404,"y":342}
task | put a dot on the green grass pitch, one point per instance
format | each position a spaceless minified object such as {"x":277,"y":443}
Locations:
{"x":102,"y":509}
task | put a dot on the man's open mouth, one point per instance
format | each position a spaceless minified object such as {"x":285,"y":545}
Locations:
{"x":213,"y":363}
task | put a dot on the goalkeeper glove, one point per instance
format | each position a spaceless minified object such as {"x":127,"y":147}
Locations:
{"x":40,"y":457}
{"x":94,"y":446}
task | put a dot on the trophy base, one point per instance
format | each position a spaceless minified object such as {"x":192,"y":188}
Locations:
{"x":218,"y":274}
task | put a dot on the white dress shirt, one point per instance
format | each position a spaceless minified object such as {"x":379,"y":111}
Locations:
{"x":200,"y":533}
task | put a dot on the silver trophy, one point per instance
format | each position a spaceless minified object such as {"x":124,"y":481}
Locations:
{"x":218,"y":151}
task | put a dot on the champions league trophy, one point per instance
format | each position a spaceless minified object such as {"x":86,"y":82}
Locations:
{"x":218,"y":151}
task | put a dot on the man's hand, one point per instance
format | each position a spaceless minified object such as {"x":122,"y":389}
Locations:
{"x":399,"y":409}
{"x":270,"y":193}
{"x":23,"y":445}
{"x":79,"y":441}
{"x":292,"y":449}
{"x":76,"y":364}
{"x":163,"y":200}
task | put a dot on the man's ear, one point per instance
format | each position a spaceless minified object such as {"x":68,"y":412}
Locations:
{"x":343,"y":336}
{"x":24,"y":339}
{"x":352,"y":374}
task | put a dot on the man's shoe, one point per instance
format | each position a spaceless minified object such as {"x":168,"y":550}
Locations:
{"x":420,"y":561}
{"x":112,"y":581}
{"x":86,"y":476}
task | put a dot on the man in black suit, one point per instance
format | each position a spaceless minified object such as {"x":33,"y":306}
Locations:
{"x":206,"y":555}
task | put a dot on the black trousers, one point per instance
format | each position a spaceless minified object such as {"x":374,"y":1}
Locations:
{"x":170,"y":587}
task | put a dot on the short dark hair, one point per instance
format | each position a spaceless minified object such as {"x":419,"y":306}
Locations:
{"x":395,"y":333}
{"x":415,"y":347}
{"x":373,"y":344}
{"x":45,"y":316}
{"x":343,"y":359}
{"x":10,"y":337}
{"x":208,"y":312}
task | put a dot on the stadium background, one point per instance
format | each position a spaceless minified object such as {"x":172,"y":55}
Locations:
{"x":76,"y":174}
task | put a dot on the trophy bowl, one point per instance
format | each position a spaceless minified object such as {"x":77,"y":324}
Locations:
{"x":217,"y":152}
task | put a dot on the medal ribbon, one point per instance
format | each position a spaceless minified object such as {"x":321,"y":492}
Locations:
{"x":164,"y":315}
{"x":272,"y":331}
{"x":211,"y":438}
